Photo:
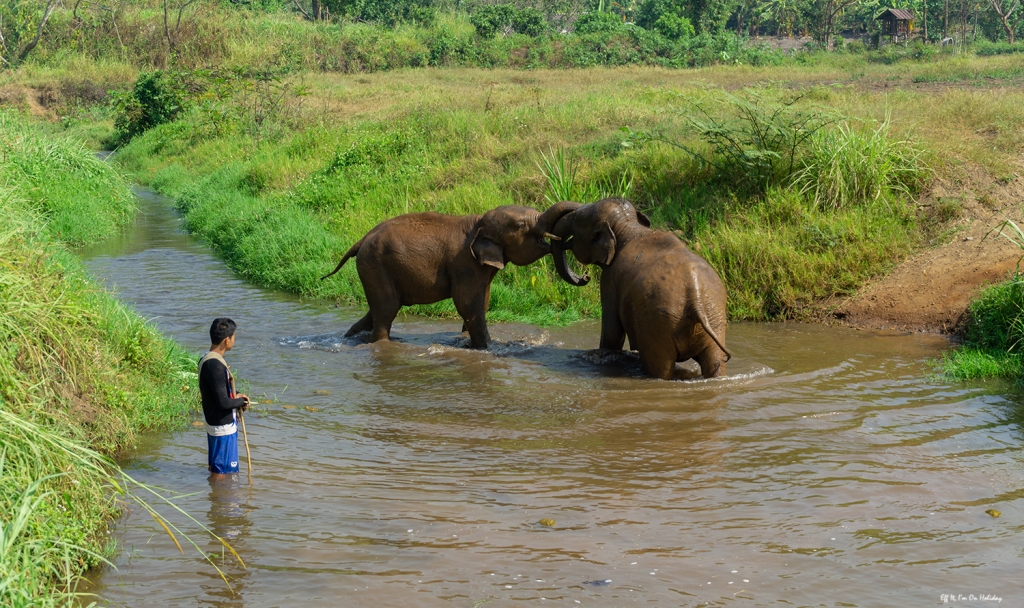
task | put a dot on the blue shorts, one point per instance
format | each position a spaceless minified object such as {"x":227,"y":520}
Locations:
{"x":223,"y":453}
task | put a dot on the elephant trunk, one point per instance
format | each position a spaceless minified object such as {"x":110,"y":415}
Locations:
{"x":563,"y":229}
{"x":547,"y":220}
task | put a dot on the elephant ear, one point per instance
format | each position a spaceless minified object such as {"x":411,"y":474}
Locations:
{"x":487,"y":252}
{"x":643,"y":219}
{"x":604,"y":245}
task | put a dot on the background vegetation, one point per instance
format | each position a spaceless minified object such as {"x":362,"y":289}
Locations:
{"x":823,"y":201}
{"x":77,"y":368}
{"x":370,"y":35}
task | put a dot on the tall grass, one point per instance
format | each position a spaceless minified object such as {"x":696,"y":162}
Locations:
{"x":77,"y":369}
{"x":40,"y":562}
{"x":82,"y":199}
{"x":847,"y":165}
{"x":216,"y":35}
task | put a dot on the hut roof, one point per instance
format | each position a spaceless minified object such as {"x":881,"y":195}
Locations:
{"x":898,"y":13}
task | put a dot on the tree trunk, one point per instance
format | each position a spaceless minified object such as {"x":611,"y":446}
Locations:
{"x":925,"y":19}
{"x":945,"y":22}
{"x":828,"y":26}
{"x":316,"y":10}
{"x":47,"y":12}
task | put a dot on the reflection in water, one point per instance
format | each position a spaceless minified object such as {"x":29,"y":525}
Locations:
{"x":828,"y":468}
{"x":230,"y":501}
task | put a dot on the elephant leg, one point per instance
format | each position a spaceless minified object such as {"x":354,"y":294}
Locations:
{"x":613,"y":334}
{"x":361,"y":325}
{"x":474,"y":315}
{"x":382,"y":321}
{"x":658,"y":360}
{"x":487,"y":306}
{"x":384,"y":306}
{"x":711,"y":361}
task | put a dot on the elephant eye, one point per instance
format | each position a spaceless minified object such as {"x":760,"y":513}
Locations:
{"x":596,"y":237}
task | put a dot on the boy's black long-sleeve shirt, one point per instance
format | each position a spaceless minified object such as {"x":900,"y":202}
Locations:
{"x":217,"y":401}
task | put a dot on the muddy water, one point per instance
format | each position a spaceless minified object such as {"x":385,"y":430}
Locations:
{"x":829,"y":469}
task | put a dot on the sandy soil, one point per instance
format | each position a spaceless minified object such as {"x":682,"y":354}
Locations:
{"x":931,"y":290}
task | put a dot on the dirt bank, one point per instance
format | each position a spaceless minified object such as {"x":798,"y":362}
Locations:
{"x":931,"y":290}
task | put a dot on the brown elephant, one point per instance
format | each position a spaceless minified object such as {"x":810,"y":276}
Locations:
{"x":422,"y":258}
{"x":668,"y":300}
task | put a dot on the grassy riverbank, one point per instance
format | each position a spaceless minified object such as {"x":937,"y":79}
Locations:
{"x":78,"y":370}
{"x":993,"y":328}
{"x":992,"y":336}
{"x":281,"y":195}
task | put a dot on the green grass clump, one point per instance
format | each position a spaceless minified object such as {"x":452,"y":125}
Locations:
{"x":780,"y":254}
{"x":994,"y":328}
{"x":77,"y":368}
{"x":846,"y":165}
{"x":82,"y":199}
{"x":992,"y":335}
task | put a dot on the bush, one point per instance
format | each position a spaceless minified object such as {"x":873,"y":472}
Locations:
{"x":156,"y":98}
{"x":993,"y":332}
{"x":758,"y":145}
{"x":992,"y":335}
{"x":667,"y":17}
{"x":490,"y":19}
{"x":596,"y":22}
{"x":856,"y":47}
{"x":387,"y":13}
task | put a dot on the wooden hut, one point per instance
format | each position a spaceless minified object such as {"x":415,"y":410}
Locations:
{"x":897,"y":24}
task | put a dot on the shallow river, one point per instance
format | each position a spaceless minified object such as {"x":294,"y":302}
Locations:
{"x":829,"y":469}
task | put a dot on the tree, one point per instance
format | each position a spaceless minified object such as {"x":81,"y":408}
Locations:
{"x":782,"y":12}
{"x":667,"y":17}
{"x":17,"y":42}
{"x":171,"y":6}
{"x":1007,"y":11}
{"x":823,"y":13}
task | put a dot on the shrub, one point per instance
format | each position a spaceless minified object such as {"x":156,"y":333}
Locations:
{"x":856,"y":47}
{"x":388,"y":13}
{"x":987,"y":48}
{"x":759,"y":143}
{"x":993,"y":330}
{"x":992,"y":335}
{"x":156,"y":98}
{"x":667,"y":17}
{"x":596,"y":22}
{"x":490,"y":19}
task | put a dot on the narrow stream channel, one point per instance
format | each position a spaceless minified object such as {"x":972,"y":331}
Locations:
{"x":831,"y":468}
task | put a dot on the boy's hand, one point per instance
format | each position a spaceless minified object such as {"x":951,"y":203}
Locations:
{"x":245,"y":406}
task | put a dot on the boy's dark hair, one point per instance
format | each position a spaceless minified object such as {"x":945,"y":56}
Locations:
{"x":222,"y":329}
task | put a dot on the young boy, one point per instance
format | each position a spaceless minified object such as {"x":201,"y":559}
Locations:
{"x":217,"y":388}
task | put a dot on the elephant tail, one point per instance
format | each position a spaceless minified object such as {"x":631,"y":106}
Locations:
{"x":699,"y":309}
{"x":351,"y":253}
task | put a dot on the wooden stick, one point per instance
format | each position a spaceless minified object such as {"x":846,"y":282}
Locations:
{"x":245,"y":437}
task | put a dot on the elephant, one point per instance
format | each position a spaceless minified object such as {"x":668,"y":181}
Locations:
{"x":422,"y":258}
{"x":667,"y":300}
